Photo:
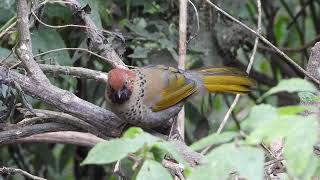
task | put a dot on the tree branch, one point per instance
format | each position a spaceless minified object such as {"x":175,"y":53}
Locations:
{"x":65,"y":137}
{"x":79,"y":72}
{"x":45,"y":116}
{"x":66,"y":101}
{"x":24,"y":50}
{"x":183,"y":17}
{"x":75,"y":71}
{"x":97,"y":42}
{"x":16,"y":133}
{"x":9,"y":171}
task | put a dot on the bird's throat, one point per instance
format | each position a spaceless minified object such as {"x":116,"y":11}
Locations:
{"x":120,"y":97}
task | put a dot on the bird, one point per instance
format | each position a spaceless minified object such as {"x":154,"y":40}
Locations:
{"x":151,"y":95}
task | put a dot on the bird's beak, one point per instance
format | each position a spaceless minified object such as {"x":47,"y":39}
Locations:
{"x":119,"y":94}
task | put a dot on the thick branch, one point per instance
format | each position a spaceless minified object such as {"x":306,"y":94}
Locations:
{"x":314,"y":61}
{"x":8,"y":171}
{"x":16,"y":133}
{"x":24,"y":49}
{"x":66,"y":137}
{"x":45,"y":116}
{"x":100,"y":118}
{"x":313,"y":69}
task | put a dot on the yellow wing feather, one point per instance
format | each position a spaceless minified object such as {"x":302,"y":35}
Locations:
{"x":177,"y":89}
{"x":169,"y":99}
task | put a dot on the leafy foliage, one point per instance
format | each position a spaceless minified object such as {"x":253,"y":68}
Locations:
{"x":248,"y":161}
{"x":133,"y":141}
{"x":291,"y":85}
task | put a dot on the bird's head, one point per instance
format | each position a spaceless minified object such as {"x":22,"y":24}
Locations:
{"x":120,"y":82}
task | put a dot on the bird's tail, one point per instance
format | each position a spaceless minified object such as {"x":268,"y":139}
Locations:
{"x":229,"y":80}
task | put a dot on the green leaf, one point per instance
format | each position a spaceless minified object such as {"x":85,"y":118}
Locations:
{"x":171,"y":149}
{"x":110,"y":151}
{"x":132,"y":132}
{"x":57,"y":10}
{"x":6,"y":54}
{"x":247,"y":161}
{"x":291,"y":86}
{"x":153,"y":170}
{"x":308,"y":97}
{"x":291,"y":110}
{"x":213,"y":139}
{"x":275,"y":129}
{"x":45,"y":39}
{"x":298,"y":148}
{"x":94,"y":14}
{"x":300,"y":134}
{"x":138,"y":26}
{"x":140,"y":53}
{"x":258,"y":115}
{"x":116,"y":149}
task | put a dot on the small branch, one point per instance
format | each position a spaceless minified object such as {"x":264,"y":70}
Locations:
{"x":300,"y":12}
{"x":76,"y":49}
{"x":8,"y":171}
{"x":297,"y":50}
{"x":264,"y":40}
{"x":24,"y":50}
{"x":2,"y":33}
{"x":183,"y":17}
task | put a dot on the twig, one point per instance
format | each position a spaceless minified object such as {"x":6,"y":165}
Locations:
{"x":183,"y":16}
{"x":273,"y":161}
{"x":236,"y":99}
{"x":264,"y":40}
{"x":67,"y":25}
{"x":24,"y":49}
{"x":2,"y":33}
{"x":301,"y":11}
{"x":9,"y":171}
{"x":198,"y":23}
{"x":76,"y":49}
